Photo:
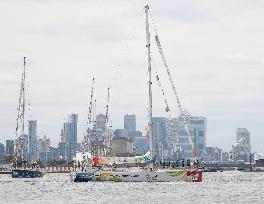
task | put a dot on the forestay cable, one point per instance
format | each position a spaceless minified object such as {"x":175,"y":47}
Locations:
{"x":182,"y":114}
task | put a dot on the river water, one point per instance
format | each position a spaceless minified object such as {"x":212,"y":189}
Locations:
{"x":220,"y":187}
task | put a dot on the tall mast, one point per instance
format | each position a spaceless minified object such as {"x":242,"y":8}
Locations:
{"x":24,"y":96}
{"x":107,"y":115}
{"x":23,"y":106}
{"x":149,"y":84}
{"x":88,"y":136}
{"x":91,"y":104}
{"x":20,"y":126}
{"x":107,"y":105}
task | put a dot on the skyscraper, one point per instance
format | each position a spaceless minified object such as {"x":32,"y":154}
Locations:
{"x":100,"y":126}
{"x":130,"y":122}
{"x":10,"y":147}
{"x":62,"y":151}
{"x":141,"y":145}
{"x":243,"y":136}
{"x":24,"y":141}
{"x":73,"y":119}
{"x":32,"y":133}
{"x":69,"y":135}
{"x":43,"y":149}
{"x":242,"y":149}
{"x":159,"y":134}
{"x":176,"y":130}
{"x":67,"y":132}
{"x":2,"y":151}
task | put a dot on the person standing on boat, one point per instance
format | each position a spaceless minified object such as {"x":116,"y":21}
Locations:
{"x":183,"y":162}
{"x":188,"y":162}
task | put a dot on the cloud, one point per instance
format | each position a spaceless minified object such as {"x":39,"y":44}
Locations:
{"x":96,"y":33}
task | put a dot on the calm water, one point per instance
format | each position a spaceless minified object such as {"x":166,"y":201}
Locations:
{"x":222,"y":187}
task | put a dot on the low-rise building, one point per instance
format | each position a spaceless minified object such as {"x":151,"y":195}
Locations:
{"x":215,"y":154}
{"x":259,"y":159}
{"x":122,"y":146}
{"x":118,"y":133}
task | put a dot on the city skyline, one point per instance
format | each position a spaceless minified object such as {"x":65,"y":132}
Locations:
{"x":173,"y":129}
{"x":64,"y":53}
{"x":170,"y":141}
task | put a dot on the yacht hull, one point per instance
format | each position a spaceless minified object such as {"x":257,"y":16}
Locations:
{"x":193,"y":175}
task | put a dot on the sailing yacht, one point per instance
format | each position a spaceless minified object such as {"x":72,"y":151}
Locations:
{"x":136,"y":174}
{"x":22,"y":166}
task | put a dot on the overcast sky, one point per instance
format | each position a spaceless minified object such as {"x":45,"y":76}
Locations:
{"x":214,"y":48}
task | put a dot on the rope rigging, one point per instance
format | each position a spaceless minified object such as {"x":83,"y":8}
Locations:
{"x":182,"y":113}
{"x":169,"y":136}
{"x":167,"y":109}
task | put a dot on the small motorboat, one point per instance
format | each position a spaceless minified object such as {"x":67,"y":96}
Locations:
{"x":26,"y":173}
